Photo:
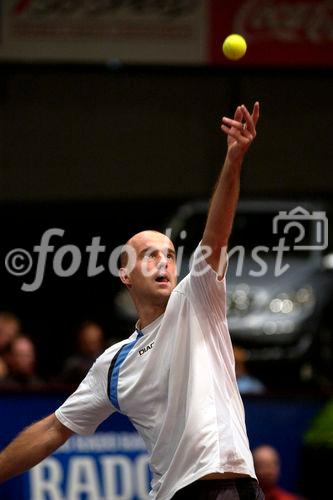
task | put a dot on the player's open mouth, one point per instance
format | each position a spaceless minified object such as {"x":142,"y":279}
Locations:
{"x":162,"y":279}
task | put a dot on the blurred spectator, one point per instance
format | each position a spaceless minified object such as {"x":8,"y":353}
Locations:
{"x":21,"y":362}
{"x":247,"y":384}
{"x":9,"y":328}
{"x":90,"y":344}
{"x":267,"y":467}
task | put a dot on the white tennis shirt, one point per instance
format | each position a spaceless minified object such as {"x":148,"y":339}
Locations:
{"x":176,"y":382}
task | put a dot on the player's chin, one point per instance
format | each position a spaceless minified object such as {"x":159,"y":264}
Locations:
{"x":164,"y":291}
{"x":165,"y":287}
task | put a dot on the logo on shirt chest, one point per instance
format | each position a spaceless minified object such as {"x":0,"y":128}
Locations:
{"x":147,"y":348}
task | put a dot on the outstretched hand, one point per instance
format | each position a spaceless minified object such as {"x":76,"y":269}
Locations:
{"x":241,"y":131}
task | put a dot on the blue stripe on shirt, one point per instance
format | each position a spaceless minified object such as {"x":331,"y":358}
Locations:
{"x":115,"y":372}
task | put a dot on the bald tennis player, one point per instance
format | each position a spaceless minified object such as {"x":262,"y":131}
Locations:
{"x":174,"y":377}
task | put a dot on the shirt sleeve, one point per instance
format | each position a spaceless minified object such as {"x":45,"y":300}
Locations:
{"x":207,"y":288}
{"x":89,"y":405}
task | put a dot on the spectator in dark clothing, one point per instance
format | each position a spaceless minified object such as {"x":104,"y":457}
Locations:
{"x":21,"y":362}
{"x":9,"y":329}
{"x":247,"y":383}
{"x":90,"y":344}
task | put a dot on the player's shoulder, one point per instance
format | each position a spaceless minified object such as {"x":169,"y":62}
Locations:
{"x":182,"y":286}
{"x":100,"y":368}
{"x":107,"y":356}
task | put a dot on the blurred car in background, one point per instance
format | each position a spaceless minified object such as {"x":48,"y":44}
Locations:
{"x":279,"y":281}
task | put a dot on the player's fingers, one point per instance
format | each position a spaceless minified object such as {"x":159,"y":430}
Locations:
{"x":242,"y":135}
{"x":249,"y":121}
{"x":232,"y":123}
{"x":230,"y":133}
{"x":256,"y":112}
{"x":238,"y":116}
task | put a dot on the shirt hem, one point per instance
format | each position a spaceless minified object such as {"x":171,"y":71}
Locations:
{"x":199,"y":475}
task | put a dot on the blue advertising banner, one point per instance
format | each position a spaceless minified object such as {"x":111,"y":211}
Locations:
{"x":103,"y":466}
{"x":110,"y":464}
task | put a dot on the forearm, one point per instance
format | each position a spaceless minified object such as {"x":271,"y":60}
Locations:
{"x":31,"y":446}
{"x":223,"y":206}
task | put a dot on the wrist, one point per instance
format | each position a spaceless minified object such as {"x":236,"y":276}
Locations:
{"x":233,"y":166}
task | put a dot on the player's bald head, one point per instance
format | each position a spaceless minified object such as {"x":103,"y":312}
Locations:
{"x":139,"y":240}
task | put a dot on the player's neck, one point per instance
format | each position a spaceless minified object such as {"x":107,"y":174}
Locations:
{"x":148,"y":314}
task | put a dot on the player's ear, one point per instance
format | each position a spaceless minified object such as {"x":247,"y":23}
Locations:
{"x":124,"y":276}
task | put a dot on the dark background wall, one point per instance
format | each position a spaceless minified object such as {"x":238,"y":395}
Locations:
{"x":89,"y":132}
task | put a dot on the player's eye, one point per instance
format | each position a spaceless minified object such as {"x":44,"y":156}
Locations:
{"x":150,"y":255}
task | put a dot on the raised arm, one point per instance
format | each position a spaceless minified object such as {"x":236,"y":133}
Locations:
{"x":31,"y":446}
{"x":241,"y":131}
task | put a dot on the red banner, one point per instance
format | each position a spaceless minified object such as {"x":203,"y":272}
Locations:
{"x":278,"y":32}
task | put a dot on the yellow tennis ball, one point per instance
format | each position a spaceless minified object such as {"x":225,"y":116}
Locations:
{"x":234,"y":47}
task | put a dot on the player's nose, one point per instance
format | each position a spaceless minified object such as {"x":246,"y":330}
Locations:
{"x":162,"y":260}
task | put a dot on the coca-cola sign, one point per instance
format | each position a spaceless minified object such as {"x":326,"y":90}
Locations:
{"x":278,"y":32}
{"x":286,"y":21}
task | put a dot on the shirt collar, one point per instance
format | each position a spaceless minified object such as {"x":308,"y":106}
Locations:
{"x":149,"y":328}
